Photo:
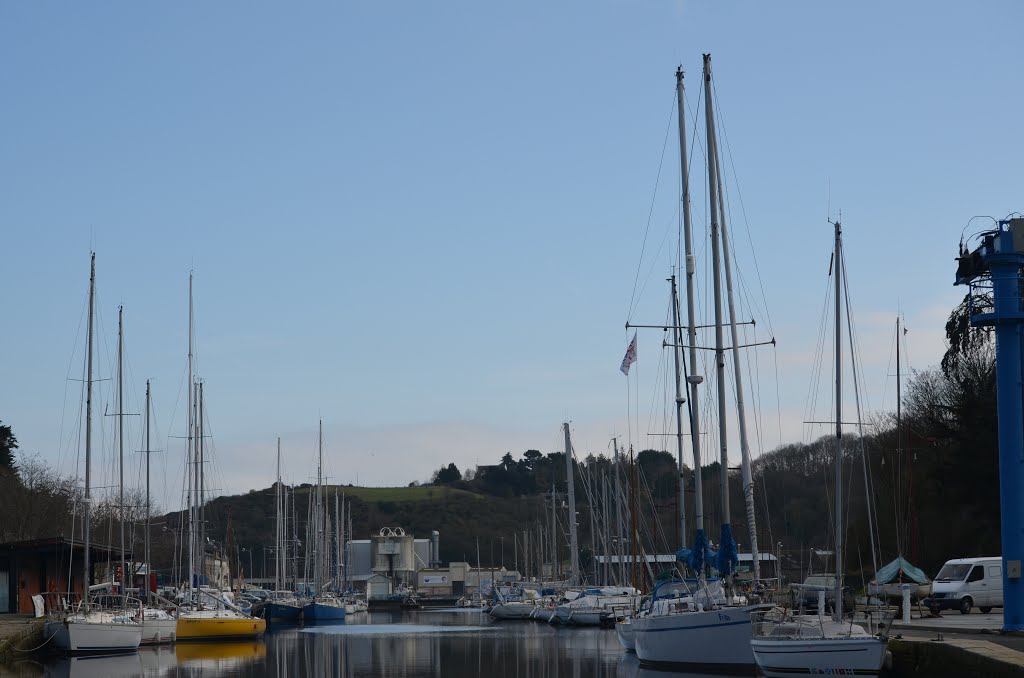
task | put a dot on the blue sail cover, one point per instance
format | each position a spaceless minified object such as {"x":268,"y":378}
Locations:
{"x":902,"y":570}
{"x":698,"y":555}
{"x":727,"y":556}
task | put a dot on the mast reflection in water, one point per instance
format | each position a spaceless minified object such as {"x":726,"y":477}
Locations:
{"x":424,"y":644}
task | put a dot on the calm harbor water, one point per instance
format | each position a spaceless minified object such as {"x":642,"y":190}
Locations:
{"x":420,"y":644}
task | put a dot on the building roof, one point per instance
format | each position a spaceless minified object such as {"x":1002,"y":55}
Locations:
{"x":668,"y":558}
{"x":54,"y":544}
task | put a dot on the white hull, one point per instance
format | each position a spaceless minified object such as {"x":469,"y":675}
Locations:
{"x":894,"y":590}
{"x":717,"y":640}
{"x":624,"y":630}
{"x":585,"y":616}
{"x":159,"y":631}
{"x":83,"y":635}
{"x":783,"y":658}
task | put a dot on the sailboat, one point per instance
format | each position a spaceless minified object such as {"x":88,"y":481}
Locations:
{"x":206,"y":614}
{"x":158,"y":624}
{"x":788,"y":644}
{"x":324,"y":607}
{"x":898,"y":575}
{"x":282,"y":606}
{"x":80,"y":625}
{"x":704,"y":625}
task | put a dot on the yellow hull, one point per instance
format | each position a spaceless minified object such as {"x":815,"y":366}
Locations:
{"x":217,"y":628}
{"x":226,"y":650}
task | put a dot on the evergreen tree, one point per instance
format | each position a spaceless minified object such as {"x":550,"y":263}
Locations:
{"x":8,"y":444}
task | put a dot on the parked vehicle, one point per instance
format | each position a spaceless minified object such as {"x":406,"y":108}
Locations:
{"x":964,"y":583}
{"x":806,"y":594}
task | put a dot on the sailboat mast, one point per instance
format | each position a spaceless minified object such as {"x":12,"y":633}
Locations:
{"x":621,"y":521}
{"x":337,"y":544}
{"x":190,"y":451}
{"x":201,"y":486}
{"x":717,"y":277}
{"x":120,"y":439}
{"x":87,"y":572}
{"x":677,"y":341}
{"x":317,"y":532}
{"x":741,"y":412}
{"x":691,"y":269}
{"x":574,"y":555}
{"x":148,"y":507}
{"x":277,"y":523}
{"x":839,"y":427}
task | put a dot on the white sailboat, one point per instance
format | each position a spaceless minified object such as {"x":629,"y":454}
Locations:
{"x":77,"y":624}
{"x":704,"y":625}
{"x":787,"y":644}
{"x":159,"y":617}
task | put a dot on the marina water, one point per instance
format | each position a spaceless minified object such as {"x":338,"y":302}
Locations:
{"x":452,"y":643}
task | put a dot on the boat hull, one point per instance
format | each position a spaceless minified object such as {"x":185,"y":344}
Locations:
{"x":784,"y":658}
{"x":279,"y":612}
{"x":894,"y":590}
{"x":513,"y":611}
{"x":624,"y":630}
{"x":712,"y":640}
{"x":319,"y":612}
{"x":219,"y":628}
{"x":87,"y":637}
{"x":569,"y":616}
{"x":159,"y":631}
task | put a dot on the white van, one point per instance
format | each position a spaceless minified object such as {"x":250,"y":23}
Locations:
{"x":964,"y":583}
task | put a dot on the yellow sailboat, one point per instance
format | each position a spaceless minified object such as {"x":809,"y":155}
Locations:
{"x":207,"y":614}
{"x":218,"y":625}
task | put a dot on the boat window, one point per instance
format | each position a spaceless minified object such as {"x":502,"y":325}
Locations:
{"x":995,"y":571}
{"x":952,"y":572}
{"x":977,"y":574}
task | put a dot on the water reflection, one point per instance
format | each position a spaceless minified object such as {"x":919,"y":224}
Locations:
{"x":424,"y":644}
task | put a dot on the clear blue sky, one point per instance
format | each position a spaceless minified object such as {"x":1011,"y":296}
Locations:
{"x":423,"y":221}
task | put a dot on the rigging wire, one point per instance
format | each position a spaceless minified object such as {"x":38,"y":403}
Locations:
{"x":650,"y":213}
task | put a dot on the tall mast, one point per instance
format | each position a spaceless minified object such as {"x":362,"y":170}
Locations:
{"x":277,"y":542}
{"x":190,"y":451}
{"x":200,"y":430}
{"x":337,"y":544}
{"x":899,"y":438}
{"x":677,"y":345}
{"x":633,"y":545}
{"x":574,"y":552}
{"x":87,"y":573}
{"x":741,"y":412}
{"x":693,"y":379}
{"x":148,"y":507}
{"x":620,"y":522}
{"x":717,"y":275}
{"x":318,"y":541}
{"x":120,"y":439}
{"x":839,"y":427}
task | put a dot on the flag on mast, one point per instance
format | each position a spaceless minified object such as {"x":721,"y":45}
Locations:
{"x":630,"y":356}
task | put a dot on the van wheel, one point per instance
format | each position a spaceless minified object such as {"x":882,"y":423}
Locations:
{"x":985,"y":610}
{"x":965,"y":605}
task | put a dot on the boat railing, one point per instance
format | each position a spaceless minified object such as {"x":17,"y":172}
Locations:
{"x":156,"y":601}
{"x":780,"y":622}
{"x":61,"y":604}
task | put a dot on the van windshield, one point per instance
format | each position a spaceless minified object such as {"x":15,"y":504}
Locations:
{"x":952,"y":572}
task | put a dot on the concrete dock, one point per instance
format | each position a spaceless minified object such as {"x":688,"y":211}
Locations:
{"x":19,"y":635}
{"x":956,"y":645}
